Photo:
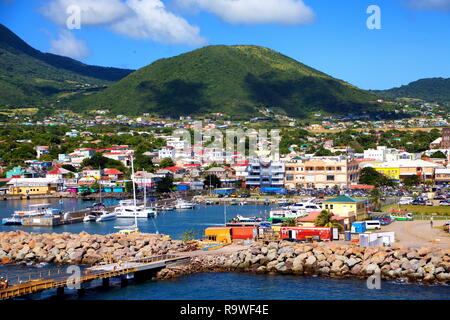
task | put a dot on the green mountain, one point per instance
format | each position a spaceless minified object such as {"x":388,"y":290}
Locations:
{"x":234,"y":80}
{"x":431,"y":90}
{"x":30,"y":77}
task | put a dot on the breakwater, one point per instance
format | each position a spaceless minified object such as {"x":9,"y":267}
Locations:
{"x":427,"y":264}
{"x":84,"y":248}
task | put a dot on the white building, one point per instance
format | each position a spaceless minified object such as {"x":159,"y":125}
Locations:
{"x":167,"y":152}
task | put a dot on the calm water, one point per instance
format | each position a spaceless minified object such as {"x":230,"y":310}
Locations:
{"x":213,"y":286}
{"x":173,"y":223}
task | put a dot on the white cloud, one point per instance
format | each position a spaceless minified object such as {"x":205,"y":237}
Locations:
{"x":139,"y":19}
{"x":151,"y":20}
{"x":95,"y":12}
{"x":439,"y":5}
{"x":69,"y":46}
{"x":289,"y":12}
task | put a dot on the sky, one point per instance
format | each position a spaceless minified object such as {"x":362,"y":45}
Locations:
{"x":407,"y":39}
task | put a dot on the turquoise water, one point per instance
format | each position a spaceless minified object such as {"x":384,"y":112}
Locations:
{"x":216,"y":286}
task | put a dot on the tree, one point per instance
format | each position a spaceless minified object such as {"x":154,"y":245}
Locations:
{"x":372,"y":177}
{"x":189,"y":235}
{"x":412,"y":181}
{"x":375,"y":199}
{"x":99,"y":161}
{"x":439,"y":155}
{"x":213,"y":181}
{"x":325,"y":220}
{"x":165,"y":184}
{"x":322,"y":152}
{"x":143,"y":162}
{"x":166,"y":163}
{"x":289,"y":223}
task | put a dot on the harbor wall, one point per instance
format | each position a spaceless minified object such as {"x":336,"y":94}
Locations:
{"x":427,"y":265}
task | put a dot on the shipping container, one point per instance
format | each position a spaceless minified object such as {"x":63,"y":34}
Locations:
{"x":243,"y":233}
{"x":304,"y":233}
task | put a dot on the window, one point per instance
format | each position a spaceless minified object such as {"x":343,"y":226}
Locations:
{"x":330,"y":178}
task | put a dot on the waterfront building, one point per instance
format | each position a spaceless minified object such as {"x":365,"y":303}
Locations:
{"x":346,"y":207}
{"x":321,"y":172}
{"x":265,"y":174}
{"x":34,"y":186}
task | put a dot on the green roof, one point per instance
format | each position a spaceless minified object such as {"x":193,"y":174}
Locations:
{"x":342,"y":199}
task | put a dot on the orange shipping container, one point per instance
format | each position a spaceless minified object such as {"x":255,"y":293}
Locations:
{"x":243,"y":233}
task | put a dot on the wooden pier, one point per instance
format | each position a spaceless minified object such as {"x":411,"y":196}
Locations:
{"x":59,"y":281}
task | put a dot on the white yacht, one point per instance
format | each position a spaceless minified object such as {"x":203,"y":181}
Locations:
{"x":283,"y":214}
{"x":131,"y":211}
{"x":103,"y":215}
{"x":305,"y":207}
{"x":184,"y":204}
{"x":34,"y":210}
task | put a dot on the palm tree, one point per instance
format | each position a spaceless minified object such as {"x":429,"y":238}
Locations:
{"x":325,"y":220}
{"x":375,"y":199}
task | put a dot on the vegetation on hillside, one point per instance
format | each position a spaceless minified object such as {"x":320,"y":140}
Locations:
{"x":235,"y":80}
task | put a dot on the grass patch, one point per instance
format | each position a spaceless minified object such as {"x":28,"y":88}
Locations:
{"x":419,"y":210}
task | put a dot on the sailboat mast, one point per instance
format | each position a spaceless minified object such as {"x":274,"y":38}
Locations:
{"x":134,"y":190}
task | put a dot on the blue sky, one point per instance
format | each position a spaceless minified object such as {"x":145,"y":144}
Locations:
{"x":331,"y":36}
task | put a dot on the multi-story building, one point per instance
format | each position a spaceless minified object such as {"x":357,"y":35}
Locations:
{"x":167,"y":152}
{"x":398,"y":170}
{"x":321,"y":172}
{"x":265,"y":174}
{"x":445,"y":142}
{"x":442,"y":176}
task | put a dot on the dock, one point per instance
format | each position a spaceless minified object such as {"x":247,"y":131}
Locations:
{"x":139,"y":269}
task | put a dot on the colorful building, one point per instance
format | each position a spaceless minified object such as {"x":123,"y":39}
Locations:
{"x":349,"y":208}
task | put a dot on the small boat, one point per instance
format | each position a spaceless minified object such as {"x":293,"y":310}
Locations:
{"x":167,"y":208}
{"x":13,"y":221}
{"x":104,"y":215}
{"x":184,"y":204}
{"x":91,"y":216}
{"x":242,"y":219}
{"x":209,"y":202}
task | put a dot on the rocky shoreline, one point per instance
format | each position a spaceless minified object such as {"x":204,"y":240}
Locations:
{"x":427,"y":264}
{"x":84,"y":248}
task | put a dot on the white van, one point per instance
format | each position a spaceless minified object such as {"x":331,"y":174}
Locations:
{"x":373,"y":225}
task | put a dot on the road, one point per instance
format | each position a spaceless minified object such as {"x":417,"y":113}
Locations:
{"x":419,"y":233}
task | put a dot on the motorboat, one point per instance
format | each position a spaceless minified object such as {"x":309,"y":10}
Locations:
{"x":242,"y":219}
{"x":103,"y":215}
{"x":131,"y":211}
{"x":305,"y":207}
{"x":184,"y":204}
{"x":167,"y":208}
{"x":284,"y":214}
{"x":34,"y":210}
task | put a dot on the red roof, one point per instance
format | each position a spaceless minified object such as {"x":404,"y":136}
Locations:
{"x":362,"y":186}
{"x":113,"y":171}
{"x":173,"y":168}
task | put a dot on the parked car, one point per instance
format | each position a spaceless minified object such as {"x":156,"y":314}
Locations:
{"x":429,"y":203}
{"x":444,"y":203}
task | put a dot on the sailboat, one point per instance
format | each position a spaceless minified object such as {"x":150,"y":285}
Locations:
{"x":134,"y":228}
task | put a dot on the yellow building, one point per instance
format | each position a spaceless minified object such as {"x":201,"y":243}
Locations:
{"x":346,"y":207}
{"x":31,"y":190}
{"x":390,"y":172}
{"x":219,"y":234}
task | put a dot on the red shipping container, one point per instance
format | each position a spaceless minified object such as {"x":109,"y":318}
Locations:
{"x":243,"y":233}
{"x":300,"y":233}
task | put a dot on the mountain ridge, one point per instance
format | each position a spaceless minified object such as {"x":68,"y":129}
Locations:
{"x":234,"y":80}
